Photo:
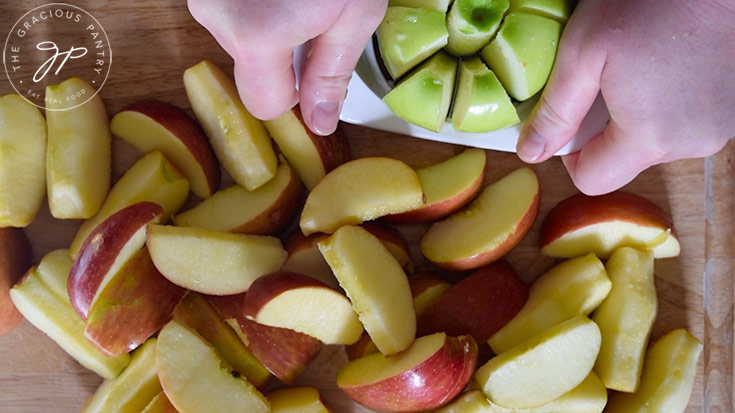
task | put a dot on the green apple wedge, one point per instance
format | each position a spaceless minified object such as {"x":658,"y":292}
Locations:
{"x":471,"y":24}
{"x":480,"y":102}
{"x":423,"y":98}
{"x":559,"y":10}
{"x":407,"y":36}
{"x":523,"y":53}
{"x":441,"y":5}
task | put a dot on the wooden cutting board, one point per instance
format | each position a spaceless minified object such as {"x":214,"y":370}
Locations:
{"x":155,"y":41}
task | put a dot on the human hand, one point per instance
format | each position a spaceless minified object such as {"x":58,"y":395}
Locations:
{"x":261,"y":37}
{"x":667,"y":73}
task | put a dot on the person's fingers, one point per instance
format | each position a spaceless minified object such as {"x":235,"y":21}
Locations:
{"x":266,"y":82}
{"x":329,"y":66}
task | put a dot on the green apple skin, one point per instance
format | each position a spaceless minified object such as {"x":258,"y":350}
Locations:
{"x":523,"y":53}
{"x":441,"y":5}
{"x":480,"y":103}
{"x":407,"y":36}
{"x":471,"y":24}
{"x":558,"y":10}
{"x":423,"y":98}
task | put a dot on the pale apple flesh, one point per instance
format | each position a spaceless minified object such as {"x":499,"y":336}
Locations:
{"x":559,"y":10}
{"x":440,"y":5}
{"x":160,"y":404}
{"x":297,"y":400}
{"x":572,"y":288}
{"x":544,"y":367}
{"x":408,"y":381}
{"x":23,"y":166}
{"x":15,"y":259}
{"x":471,"y":24}
{"x":154,"y":125}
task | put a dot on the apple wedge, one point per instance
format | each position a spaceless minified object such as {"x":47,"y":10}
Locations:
{"x":152,"y":178}
{"x":440,"y":5}
{"x":196,"y":313}
{"x":478,"y":305}
{"x":303,"y":304}
{"x":544,"y":367}
{"x":361,"y":348}
{"x":471,"y":24}
{"x":241,"y":142}
{"x":426,"y":290}
{"x":376,"y":285}
{"x":160,"y":404}
{"x":23,"y":167}
{"x":408,"y":381}
{"x":213,"y":262}
{"x":448,"y":186}
{"x":572,"y":288}
{"x":626,"y":318}
{"x":424,"y":95}
{"x":297,"y":400}
{"x":312,"y":156}
{"x":361,"y":190}
{"x":264,"y":211}
{"x":159,"y":126}
{"x":522,"y":39}
{"x":489,"y":227}
{"x":668,"y":377}
{"x":407,"y":36}
{"x":582,"y":224}
{"x":15,"y":259}
{"x":133,"y":389}
{"x":78,"y":151}
{"x":51,"y":312}
{"x":559,"y":10}
{"x":106,"y":251}
{"x":195,"y":379}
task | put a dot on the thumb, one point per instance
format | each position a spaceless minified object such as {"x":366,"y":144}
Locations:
{"x":332,"y":59}
{"x":572,"y":88}
{"x":265,"y":81}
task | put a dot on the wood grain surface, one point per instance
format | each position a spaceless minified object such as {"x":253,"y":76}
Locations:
{"x":155,"y":41}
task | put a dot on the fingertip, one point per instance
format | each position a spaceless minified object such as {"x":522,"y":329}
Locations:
{"x":531,"y":146}
{"x":324,"y":117}
{"x":267,"y":91}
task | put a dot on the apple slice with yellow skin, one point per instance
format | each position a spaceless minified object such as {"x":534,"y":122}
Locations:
{"x":15,"y":259}
{"x":489,"y":227}
{"x":408,"y":381}
{"x":106,"y":251}
{"x":195,"y":312}
{"x":195,"y":378}
{"x":297,"y":400}
{"x":152,"y":178}
{"x":312,"y":156}
{"x":285,"y":353}
{"x":426,"y":290}
{"x":23,"y":166}
{"x":448,"y":186}
{"x":78,"y":151}
{"x":241,"y":142}
{"x":626,"y":318}
{"x":159,"y":126}
{"x":213,"y":262}
{"x":361,"y":190}
{"x":583,"y":224}
{"x":160,"y":404}
{"x":668,"y":377}
{"x":572,"y":288}
{"x":544,"y":367}
{"x":264,"y":211}
{"x":133,"y":389}
{"x":303,"y":304}
{"x":376,"y":285}
{"x":50,"y":311}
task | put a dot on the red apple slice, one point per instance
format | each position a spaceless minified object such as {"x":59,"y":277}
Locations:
{"x":448,"y":186}
{"x":311,"y":155}
{"x":479,"y":305}
{"x":582,"y":224}
{"x":426,"y":289}
{"x":303,"y":304}
{"x":15,"y":258}
{"x":426,"y":375}
{"x":106,"y":251}
{"x":297,"y":400}
{"x":153,"y":125}
{"x":489,"y":227}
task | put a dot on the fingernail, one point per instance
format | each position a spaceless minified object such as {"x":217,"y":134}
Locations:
{"x":531,"y":146}
{"x":325,"y":116}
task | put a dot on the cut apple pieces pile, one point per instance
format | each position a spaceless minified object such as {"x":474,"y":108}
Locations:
{"x":517,"y":41}
{"x":207,"y":308}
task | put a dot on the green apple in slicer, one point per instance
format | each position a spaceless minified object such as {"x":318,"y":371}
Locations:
{"x":441,"y":5}
{"x":471,"y":24}
{"x":559,"y":10}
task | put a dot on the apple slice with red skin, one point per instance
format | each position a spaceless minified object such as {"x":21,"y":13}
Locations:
{"x":284,"y":352}
{"x":154,"y":125}
{"x":15,"y":259}
{"x":409,"y":380}
{"x":297,"y":400}
{"x":583,"y":224}
{"x":106,"y":251}
{"x":479,"y":305}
